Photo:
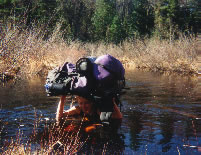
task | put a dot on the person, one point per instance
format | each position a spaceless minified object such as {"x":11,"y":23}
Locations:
{"x":107,"y":73}
{"x":88,"y":108}
{"x":97,"y":90}
{"x":85,"y":108}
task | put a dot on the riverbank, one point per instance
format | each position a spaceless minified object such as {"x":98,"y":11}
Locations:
{"x":25,"y":53}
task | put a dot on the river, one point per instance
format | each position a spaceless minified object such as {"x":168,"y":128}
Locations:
{"x":162,"y":113}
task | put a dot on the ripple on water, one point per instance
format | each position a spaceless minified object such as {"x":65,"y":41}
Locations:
{"x":162,"y":114}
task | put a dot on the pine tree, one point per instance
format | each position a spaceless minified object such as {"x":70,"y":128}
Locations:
{"x":103,"y":17}
{"x":167,"y":19}
{"x":115,"y":31}
{"x":141,"y":20}
{"x":75,"y":17}
{"x":5,"y":9}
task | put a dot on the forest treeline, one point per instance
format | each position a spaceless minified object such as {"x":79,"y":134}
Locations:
{"x":105,"y":20}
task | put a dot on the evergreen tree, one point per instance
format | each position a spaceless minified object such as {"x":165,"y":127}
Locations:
{"x":166,"y":18}
{"x":173,"y":17}
{"x":115,"y":31}
{"x":189,"y":20}
{"x":5,"y":9}
{"x":103,"y":17}
{"x":105,"y":20}
{"x":75,"y":17}
{"x":141,"y":20}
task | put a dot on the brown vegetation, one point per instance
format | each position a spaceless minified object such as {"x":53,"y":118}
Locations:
{"x":66,"y":138}
{"x":27,"y":52}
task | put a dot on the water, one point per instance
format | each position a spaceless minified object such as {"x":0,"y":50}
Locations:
{"x":162,"y":113}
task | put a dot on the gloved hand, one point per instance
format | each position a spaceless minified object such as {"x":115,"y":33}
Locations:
{"x":105,"y":117}
{"x":106,"y":108}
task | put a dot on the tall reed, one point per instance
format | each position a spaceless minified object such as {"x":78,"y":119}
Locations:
{"x":152,"y":54}
{"x":53,"y":140}
{"x":69,"y":137}
{"x":28,"y":51}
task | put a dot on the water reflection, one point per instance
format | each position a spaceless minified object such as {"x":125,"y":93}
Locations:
{"x":161,"y":110}
{"x":167,"y":130}
{"x":135,"y":123}
{"x":162,"y":113}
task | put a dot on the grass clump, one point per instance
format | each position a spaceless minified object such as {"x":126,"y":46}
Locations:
{"x":30,"y":52}
{"x":53,"y":139}
{"x":27,"y":51}
{"x":152,"y":54}
{"x":161,"y":55}
{"x":67,"y":137}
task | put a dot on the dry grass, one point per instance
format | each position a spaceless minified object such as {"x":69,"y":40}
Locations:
{"x":69,"y":136}
{"x":153,"y":54}
{"x":26,"y":51}
{"x":53,"y":140}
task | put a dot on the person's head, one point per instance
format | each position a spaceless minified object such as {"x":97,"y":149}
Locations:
{"x":85,"y":105}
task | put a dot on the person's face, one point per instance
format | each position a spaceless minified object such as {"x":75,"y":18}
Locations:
{"x":85,"y":105}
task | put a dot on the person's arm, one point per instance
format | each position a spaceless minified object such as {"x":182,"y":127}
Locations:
{"x":60,"y":110}
{"x":116,"y":113}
